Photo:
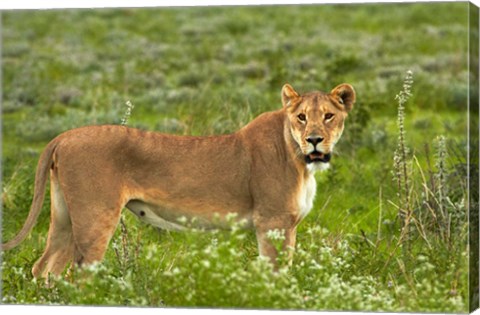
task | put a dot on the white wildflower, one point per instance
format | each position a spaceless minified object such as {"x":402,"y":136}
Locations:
{"x":128,"y":113}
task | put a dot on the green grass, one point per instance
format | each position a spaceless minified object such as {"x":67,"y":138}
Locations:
{"x":209,"y":71}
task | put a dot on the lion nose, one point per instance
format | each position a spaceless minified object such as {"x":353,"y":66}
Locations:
{"x":314,"y":140}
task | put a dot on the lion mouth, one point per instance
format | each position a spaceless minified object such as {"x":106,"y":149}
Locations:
{"x":317,"y":156}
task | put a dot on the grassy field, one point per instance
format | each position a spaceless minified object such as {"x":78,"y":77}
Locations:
{"x":205,"y":71}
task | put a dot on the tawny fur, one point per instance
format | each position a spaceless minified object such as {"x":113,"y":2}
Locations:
{"x":260,"y":173}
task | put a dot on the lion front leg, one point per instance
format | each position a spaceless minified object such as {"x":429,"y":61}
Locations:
{"x":275,"y":236}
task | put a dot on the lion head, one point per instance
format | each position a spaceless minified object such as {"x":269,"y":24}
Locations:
{"x":316,"y":121}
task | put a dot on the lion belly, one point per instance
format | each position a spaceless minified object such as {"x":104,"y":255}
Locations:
{"x":147,"y":214}
{"x":169,"y":218}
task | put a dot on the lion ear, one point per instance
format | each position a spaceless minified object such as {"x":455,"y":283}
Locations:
{"x":345,"y":95}
{"x":289,"y":95}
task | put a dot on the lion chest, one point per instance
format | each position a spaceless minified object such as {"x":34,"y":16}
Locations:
{"x":306,"y":195}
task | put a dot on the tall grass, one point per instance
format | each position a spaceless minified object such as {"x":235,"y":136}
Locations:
{"x":432,"y":210}
{"x":402,"y":167}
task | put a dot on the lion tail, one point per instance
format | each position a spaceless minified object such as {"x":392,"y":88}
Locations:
{"x":43,"y":167}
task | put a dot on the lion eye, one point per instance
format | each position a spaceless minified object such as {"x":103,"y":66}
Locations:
{"x":302,"y":117}
{"x":328,"y":116}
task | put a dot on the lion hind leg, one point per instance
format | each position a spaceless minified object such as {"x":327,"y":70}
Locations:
{"x":93,"y":233}
{"x":59,"y":249}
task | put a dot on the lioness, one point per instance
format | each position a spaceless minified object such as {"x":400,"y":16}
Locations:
{"x":264,"y":173}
